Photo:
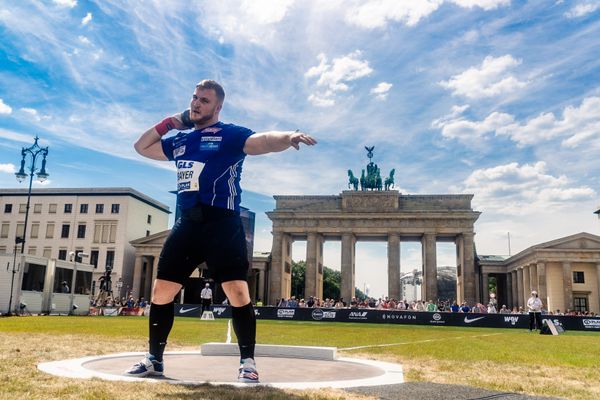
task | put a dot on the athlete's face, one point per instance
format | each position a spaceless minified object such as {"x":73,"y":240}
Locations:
{"x":204,"y":106}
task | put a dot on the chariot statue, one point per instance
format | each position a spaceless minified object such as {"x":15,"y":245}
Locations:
{"x":371,"y":180}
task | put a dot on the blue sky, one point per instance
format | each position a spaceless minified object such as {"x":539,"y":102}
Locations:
{"x":497,"y":98}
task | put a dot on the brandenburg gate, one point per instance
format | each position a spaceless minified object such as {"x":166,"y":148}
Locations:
{"x":376,"y":215}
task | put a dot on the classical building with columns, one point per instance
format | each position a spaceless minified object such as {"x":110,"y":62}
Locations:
{"x":371,"y":216}
{"x":565,"y":272}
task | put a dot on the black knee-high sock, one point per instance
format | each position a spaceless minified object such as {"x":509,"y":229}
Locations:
{"x":161,"y":322}
{"x":244,"y":326}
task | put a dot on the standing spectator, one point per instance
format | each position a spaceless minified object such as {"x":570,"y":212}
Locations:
{"x":534,"y":305}
{"x":282,"y":303}
{"x":491,"y":308}
{"x":64,"y":287}
{"x":454,"y":307}
{"x":464,"y":308}
{"x":504,"y":310}
{"x":292,"y":302}
{"x":206,"y":297}
{"x":431,"y":306}
{"x":311,"y":302}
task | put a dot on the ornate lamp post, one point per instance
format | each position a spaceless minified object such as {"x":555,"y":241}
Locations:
{"x":33,"y":151}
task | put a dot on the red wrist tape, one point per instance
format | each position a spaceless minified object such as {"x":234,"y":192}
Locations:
{"x":164,"y":126}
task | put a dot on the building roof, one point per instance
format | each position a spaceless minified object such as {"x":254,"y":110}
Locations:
{"x":487,"y":258}
{"x":99,"y":191}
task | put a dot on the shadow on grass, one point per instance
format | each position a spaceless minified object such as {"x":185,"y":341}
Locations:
{"x":224,"y":392}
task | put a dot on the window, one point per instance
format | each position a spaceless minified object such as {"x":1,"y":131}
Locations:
{"x":50,"y":230}
{"x":94,"y":258}
{"x":52,"y":208}
{"x":64,"y":233}
{"x":35,"y":230}
{"x":578,"y":277}
{"x":110,"y":258}
{"x":83,"y":282}
{"x":147,"y":233}
{"x":80,"y":231}
{"x":4,"y":230}
{"x":32,"y":250}
{"x":8,"y":208}
{"x":62,"y":275}
{"x":33,"y":277}
{"x":22,"y":208}
{"x":68,"y":208}
{"x":105,"y":232}
{"x":580,"y":303}
{"x":149,"y":219}
{"x":2,"y":249}
{"x":83,"y":208}
{"x":99,"y":208}
{"x":37,"y":208}
{"x":62,"y":254}
{"x":47,"y":252}
{"x":114,"y":209}
{"x":20,"y":230}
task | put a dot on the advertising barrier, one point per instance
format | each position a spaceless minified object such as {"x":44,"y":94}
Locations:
{"x":520,"y":321}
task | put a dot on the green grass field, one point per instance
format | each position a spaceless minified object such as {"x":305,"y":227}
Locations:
{"x":496,"y":359}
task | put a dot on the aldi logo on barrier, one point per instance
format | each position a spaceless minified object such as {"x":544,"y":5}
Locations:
{"x":358,"y":315}
{"x":591,"y":323}
{"x":513,"y":319}
{"x":286,"y":313}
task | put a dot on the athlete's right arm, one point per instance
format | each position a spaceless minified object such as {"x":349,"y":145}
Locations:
{"x":149,"y":144}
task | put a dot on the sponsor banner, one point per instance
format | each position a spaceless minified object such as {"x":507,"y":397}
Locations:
{"x":520,"y":321}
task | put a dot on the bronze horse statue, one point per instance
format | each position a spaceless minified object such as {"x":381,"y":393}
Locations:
{"x":352,"y":180}
{"x":389,"y":181}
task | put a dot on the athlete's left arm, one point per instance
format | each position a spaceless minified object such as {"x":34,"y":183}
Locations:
{"x":274,"y":141}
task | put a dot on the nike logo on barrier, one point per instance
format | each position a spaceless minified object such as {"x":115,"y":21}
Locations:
{"x":469,"y":320}
{"x":183,"y":310}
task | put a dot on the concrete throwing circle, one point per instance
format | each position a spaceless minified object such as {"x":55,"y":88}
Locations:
{"x":195,"y":368}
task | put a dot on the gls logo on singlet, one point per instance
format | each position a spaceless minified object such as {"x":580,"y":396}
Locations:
{"x":188,"y":173}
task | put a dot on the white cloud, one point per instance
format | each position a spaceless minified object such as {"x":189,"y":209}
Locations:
{"x":15,"y":136}
{"x":485,"y":4}
{"x":34,"y":114}
{"x":65,"y":3}
{"x":515,"y":189}
{"x":334,"y":77}
{"x":7,"y":168}
{"x":582,"y":9}
{"x":381,"y":91}
{"x":578,"y":125}
{"x":376,"y":14}
{"x":86,"y":20}
{"x":83,"y":39}
{"x":5,"y":108}
{"x":491,"y":78}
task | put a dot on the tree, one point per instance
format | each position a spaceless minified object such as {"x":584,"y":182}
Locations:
{"x":332,"y":282}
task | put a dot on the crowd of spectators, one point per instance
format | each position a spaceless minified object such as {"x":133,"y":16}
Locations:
{"x":385,"y":303}
{"x":126,"y":302}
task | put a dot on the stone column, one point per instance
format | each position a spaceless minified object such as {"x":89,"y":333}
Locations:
{"x":568,"y":285}
{"x":261,"y":286}
{"x":533,"y":281}
{"x":394,"y":266}
{"x":148,"y":279}
{"x":460,"y":287}
{"x":485,"y":290}
{"x":137,"y":277}
{"x":541,"y":283}
{"x":520,"y":292}
{"x":348,"y":255}
{"x":313,"y":283}
{"x":509,"y":292}
{"x":277,"y":269}
{"x":429,"y":288}
{"x":515,"y":290}
{"x":469,"y":267}
{"x":526,"y":285}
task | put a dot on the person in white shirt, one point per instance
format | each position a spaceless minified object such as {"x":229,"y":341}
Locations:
{"x":206,"y":296}
{"x":534,"y":305}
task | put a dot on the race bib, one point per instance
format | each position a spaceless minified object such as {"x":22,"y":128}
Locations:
{"x":188,"y":173}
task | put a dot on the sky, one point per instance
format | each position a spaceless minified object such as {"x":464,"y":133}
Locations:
{"x":496,"y":98}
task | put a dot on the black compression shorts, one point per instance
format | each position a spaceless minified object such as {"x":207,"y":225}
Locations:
{"x":205,"y":234}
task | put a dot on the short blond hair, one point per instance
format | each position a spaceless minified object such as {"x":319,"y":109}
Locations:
{"x":214,"y":85}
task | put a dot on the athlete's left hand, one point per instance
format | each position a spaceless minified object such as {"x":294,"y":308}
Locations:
{"x":298,"y":137}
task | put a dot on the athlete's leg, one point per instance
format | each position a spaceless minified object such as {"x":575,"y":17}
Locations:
{"x":242,"y":313}
{"x":162,"y":315}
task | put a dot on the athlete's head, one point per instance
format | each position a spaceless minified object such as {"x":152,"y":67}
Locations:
{"x":207,"y":102}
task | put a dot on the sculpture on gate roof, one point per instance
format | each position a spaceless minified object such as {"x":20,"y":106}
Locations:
{"x":372,"y":179}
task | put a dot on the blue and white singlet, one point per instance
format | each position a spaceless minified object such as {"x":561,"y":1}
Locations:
{"x":209,"y":165}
